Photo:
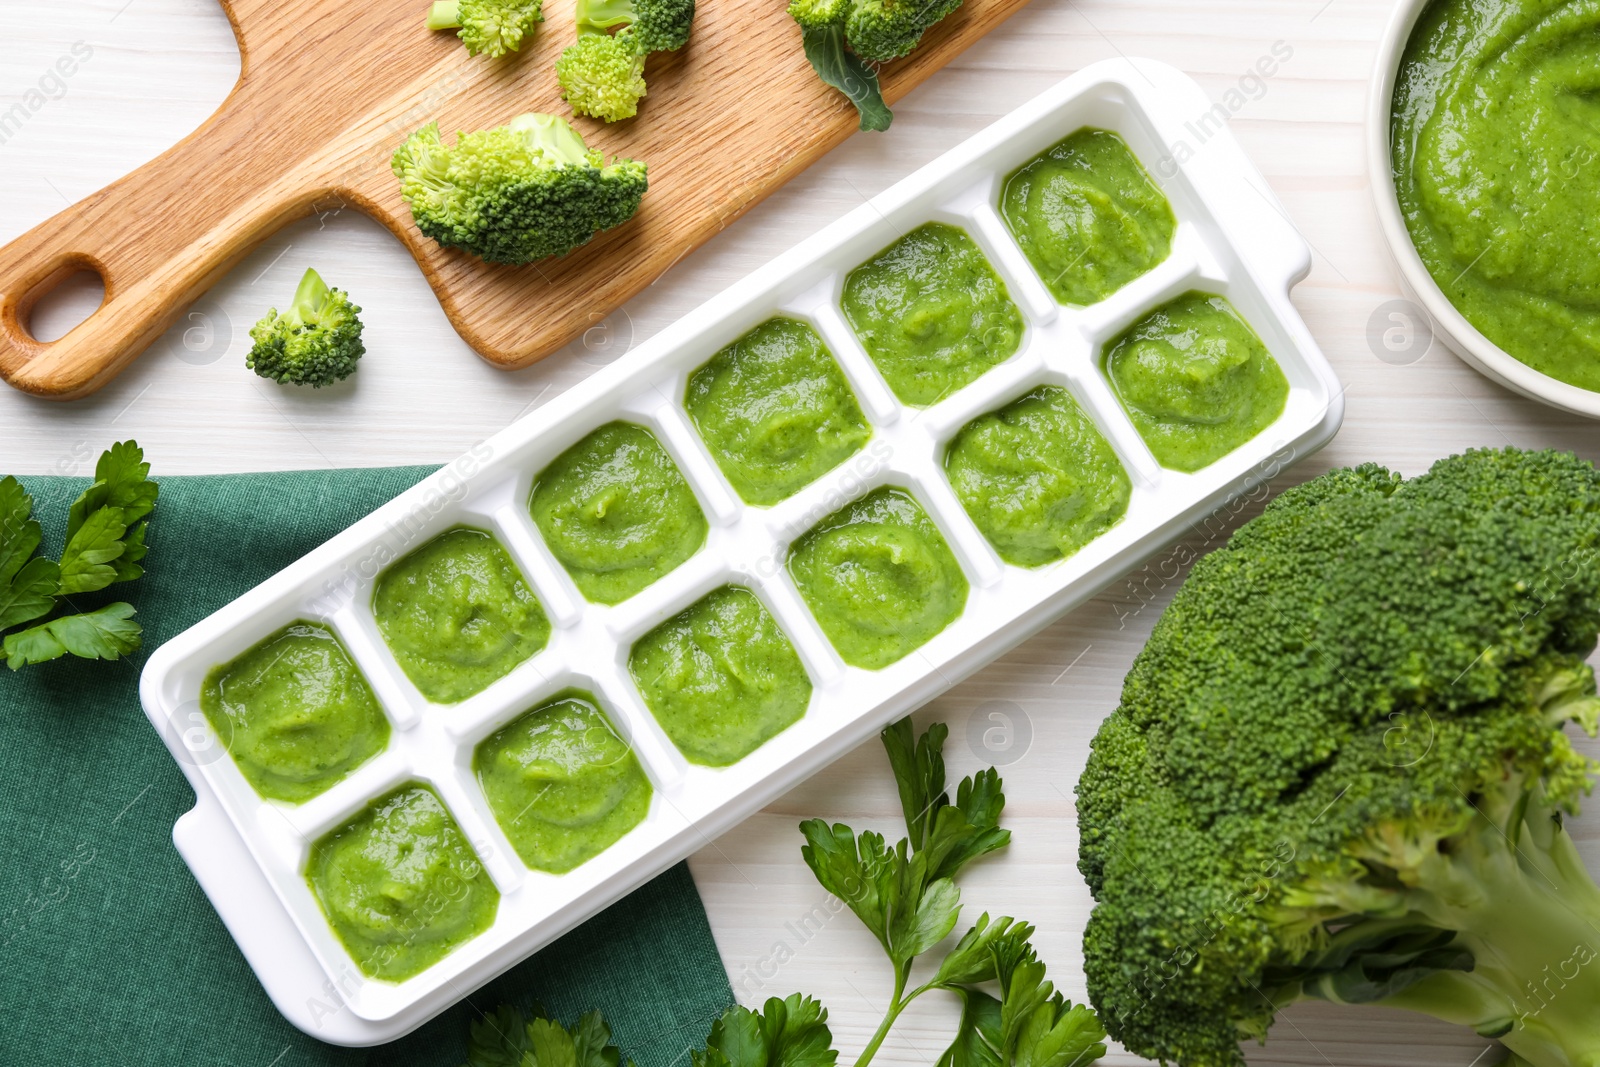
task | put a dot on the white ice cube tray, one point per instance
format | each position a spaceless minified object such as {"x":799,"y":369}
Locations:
{"x":249,"y":854}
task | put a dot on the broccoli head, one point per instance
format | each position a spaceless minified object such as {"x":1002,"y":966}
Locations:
{"x":881,"y":30}
{"x":1339,"y":770}
{"x":659,"y":25}
{"x":487,"y":27}
{"x":316,"y":342}
{"x":517,"y":193}
{"x":602,"y":75}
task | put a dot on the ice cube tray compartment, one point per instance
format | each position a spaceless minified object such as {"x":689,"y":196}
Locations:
{"x":1231,"y":240}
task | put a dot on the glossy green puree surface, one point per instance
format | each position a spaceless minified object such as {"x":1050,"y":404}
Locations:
{"x":1196,"y":381}
{"x":561,"y":783}
{"x":1038,"y":477}
{"x":616,"y":512}
{"x":400,"y":885}
{"x":294,"y":712}
{"x":1088,"y":216}
{"x":879,"y":578}
{"x":775,"y":411}
{"x":721,"y":677}
{"x":1495,"y":148}
{"x":931,"y":313}
{"x":458,"y":615}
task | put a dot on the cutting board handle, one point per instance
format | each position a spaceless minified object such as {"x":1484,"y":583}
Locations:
{"x":158,"y":238}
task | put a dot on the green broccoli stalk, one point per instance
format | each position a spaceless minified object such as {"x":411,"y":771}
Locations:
{"x":516,"y":193}
{"x":487,"y":27}
{"x":843,"y":40}
{"x":602,"y":74}
{"x":1339,"y":770}
{"x":316,"y":342}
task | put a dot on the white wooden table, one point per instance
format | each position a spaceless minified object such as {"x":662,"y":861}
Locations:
{"x":158,"y":68}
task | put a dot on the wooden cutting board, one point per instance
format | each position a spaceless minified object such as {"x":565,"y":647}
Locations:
{"x":328,"y":89}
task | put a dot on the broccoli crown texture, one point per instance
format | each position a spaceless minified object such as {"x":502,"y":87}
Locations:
{"x":660,"y":25}
{"x":877,"y":30}
{"x":1339,"y":770}
{"x":517,"y":193}
{"x":602,"y":75}
{"x":316,"y":342}
{"x":487,"y":27}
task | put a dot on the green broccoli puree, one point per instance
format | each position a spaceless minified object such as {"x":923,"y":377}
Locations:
{"x":721,"y":678}
{"x":400,"y":886}
{"x":457,"y":615}
{"x":1088,"y":216}
{"x":931,"y":313}
{"x":616,"y":512}
{"x":1494,"y":141}
{"x":561,"y":783}
{"x":1038,"y":478}
{"x":775,"y":411}
{"x":879,"y":578}
{"x":294,"y":712}
{"x":1196,"y":381}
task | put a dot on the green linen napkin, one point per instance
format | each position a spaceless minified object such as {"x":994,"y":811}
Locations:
{"x":110,"y":953}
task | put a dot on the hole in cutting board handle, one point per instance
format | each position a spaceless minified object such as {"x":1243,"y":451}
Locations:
{"x":63,"y":301}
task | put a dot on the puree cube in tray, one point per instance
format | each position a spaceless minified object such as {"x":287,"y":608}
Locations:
{"x":614,"y":629}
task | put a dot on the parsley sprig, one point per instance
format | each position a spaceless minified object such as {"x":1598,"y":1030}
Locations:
{"x":104,"y":544}
{"x":1011,"y":1016}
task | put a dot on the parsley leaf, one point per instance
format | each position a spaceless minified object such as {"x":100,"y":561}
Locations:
{"x":105,"y":537}
{"x":1031,"y":1025}
{"x":86,"y":562}
{"x":122,"y":481}
{"x":504,"y":1038}
{"x":953,"y":835}
{"x":104,"y":634}
{"x":27,"y":586}
{"x":785,"y":1033}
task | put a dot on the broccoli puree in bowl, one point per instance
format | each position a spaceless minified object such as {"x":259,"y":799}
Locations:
{"x":294,"y":712}
{"x":1495,"y":141}
{"x":1088,"y":216}
{"x":721,"y":677}
{"x":400,"y":885}
{"x":457,"y":615}
{"x":1196,"y":381}
{"x":879,"y":578}
{"x":616,"y":512}
{"x":1038,"y":478}
{"x":775,"y":411}
{"x":931,"y":313}
{"x":561,"y":783}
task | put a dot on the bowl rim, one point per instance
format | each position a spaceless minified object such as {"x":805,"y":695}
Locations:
{"x":1446,"y":322}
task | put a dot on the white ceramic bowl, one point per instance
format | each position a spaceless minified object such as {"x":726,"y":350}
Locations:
{"x":1448,"y":324}
{"x":249,"y":855}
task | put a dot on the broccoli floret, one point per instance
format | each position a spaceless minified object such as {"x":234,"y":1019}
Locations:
{"x":517,"y":193}
{"x":487,"y":27}
{"x":1339,"y":770}
{"x":602,"y":75}
{"x":881,"y":30}
{"x":660,"y":25}
{"x":316,"y":342}
{"x":843,"y":38}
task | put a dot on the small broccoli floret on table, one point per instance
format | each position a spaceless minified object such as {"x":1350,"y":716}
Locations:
{"x":881,"y":30}
{"x":1340,"y":770}
{"x":316,"y":342}
{"x":659,"y":25}
{"x":516,"y":193}
{"x":602,"y":75}
{"x":487,"y":27}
